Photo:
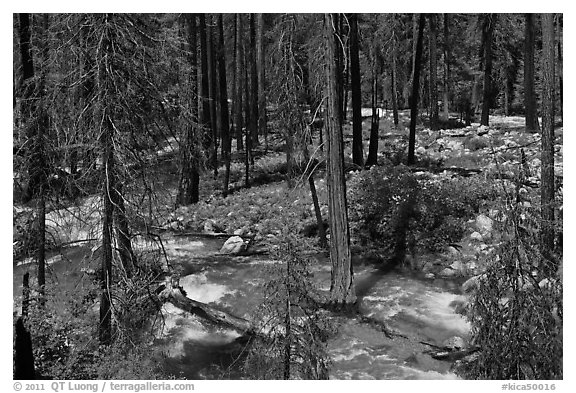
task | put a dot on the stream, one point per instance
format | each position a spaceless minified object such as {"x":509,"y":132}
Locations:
{"x":418,"y":309}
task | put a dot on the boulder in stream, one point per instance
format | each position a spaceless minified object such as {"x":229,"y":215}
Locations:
{"x":234,"y":245}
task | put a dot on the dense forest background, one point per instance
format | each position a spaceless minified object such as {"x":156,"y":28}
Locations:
{"x":127,"y":127}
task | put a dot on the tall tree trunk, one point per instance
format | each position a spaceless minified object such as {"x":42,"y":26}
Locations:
{"x":340,"y":66}
{"x":530,"y":107}
{"x":205,"y":118}
{"x":238,"y":120}
{"x":261,"y":66}
{"x":28,"y":87}
{"x":212,"y":93}
{"x":224,"y":122}
{"x":373,"y":147}
{"x":317,"y":211}
{"x":342,"y":281}
{"x":127,"y":257}
{"x":415,"y":19}
{"x":446,"y":89}
{"x":189,"y":179}
{"x":247,"y":114}
{"x":254,"y":113}
{"x":394,"y":73}
{"x":415,"y":91}
{"x":560,"y":71}
{"x":433,"y":73}
{"x":487,"y":32}
{"x":344,"y":51}
{"x":547,"y":187}
{"x":106,"y":133}
{"x":357,"y":147}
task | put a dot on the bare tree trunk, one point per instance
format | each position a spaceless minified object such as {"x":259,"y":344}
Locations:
{"x":212,"y":93}
{"x":261,"y":65}
{"x":547,"y":188}
{"x":342,"y":281}
{"x":205,"y":118}
{"x":394,"y":81}
{"x":530,"y":107}
{"x":357,"y":147}
{"x":28,"y":86}
{"x":127,"y":257}
{"x":254,"y":113}
{"x":560,"y":69}
{"x":189,"y":179}
{"x":239,"y":83}
{"x":433,"y":89}
{"x":109,"y":176}
{"x":415,"y":91}
{"x":446,"y":90}
{"x":373,"y":147}
{"x":317,"y":211}
{"x":224,"y":122}
{"x":487,"y":32}
{"x":247,"y":116}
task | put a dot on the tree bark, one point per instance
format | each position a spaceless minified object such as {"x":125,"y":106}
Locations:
{"x":238,"y":120}
{"x":224,"y":122}
{"x":174,"y":294}
{"x":342,"y":280}
{"x":487,"y":32}
{"x":530,"y":107}
{"x":547,"y":158}
{"x":415,"y":91}
{"x":394,"y":73}
{"x":560,"y":69}
{"x":109,"y":182}
{"x":357,"y":147}
{"x":189,"y":178}
{"x":212,"y":96}
{"x":433,"y":88}
{"x":446,"y":89}
{"x":261,"y":65}
{"x":254,"y":112}
{"x":205,"y":118}
{"x":374,"y":126}
{"x":127,"y":257}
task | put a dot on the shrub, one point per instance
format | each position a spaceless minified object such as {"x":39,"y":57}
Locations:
{"x":390,"y":204}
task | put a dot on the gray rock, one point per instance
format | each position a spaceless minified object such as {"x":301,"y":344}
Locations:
{"x":242,"y":231}
{"x":234,"y":245}
{"x":429,"y":276}
{"x":484,"y":225}
{"x":476,"y":236}
{"x":453,"y":251}
{"x":457,"y":266}
{"x":421,"y":150}
{"x":448,"y":272}
{"x":472,"y":284}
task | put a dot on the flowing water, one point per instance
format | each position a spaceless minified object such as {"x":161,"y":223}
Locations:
{"x":419,"y":310}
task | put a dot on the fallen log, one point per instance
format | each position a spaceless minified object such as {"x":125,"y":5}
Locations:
{"x":171,"y":291}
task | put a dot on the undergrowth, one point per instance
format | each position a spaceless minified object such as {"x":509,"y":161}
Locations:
{"x":517,"y":311}
{"x":64,"y":331}
{"x":392,"y":208}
